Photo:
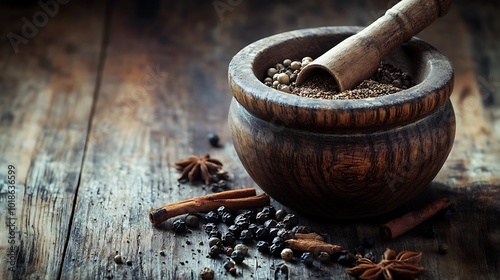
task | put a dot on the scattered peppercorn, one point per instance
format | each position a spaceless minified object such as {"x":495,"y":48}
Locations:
{"x":207,"y":273}
{"x":287,"y":254}
{"x":371,"y":256}
{"x":129,"y":262}
{"x":307,"y":258}
{"x":291,"y":220}
{"x":212,"y":217}
{"x":280,"y":214}
{"x":118,"y":259}
{"x":347,"y":259}
{"x":242,"y":248}
{"x":179,"y":225}
{"x":214,"y":241}
{"x":263,"y":247}
{"x":213,"y":139}
{"x":191,"y":220}
{"x":228,"y":239}
{"x":237,"y":256}
{"x":162,"y":253}
{"x":324,"y":257}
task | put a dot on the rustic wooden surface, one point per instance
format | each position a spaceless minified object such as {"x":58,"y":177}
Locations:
{"x":99,"y":103}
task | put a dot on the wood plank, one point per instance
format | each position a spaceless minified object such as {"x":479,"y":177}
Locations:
{"x":46,"y":95}
{"x":164,"y":88}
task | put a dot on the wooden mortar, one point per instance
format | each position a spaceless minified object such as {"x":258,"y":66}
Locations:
{"x":341,"y":158}
{"x":358,"y":57}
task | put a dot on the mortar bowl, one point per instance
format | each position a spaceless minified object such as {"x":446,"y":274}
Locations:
{"x":341,"y":159}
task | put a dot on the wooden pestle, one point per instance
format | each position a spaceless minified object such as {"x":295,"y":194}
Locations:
{"x":358,"y":57}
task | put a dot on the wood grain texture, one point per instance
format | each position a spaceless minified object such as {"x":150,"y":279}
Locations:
{"x":46,"y":95}
{"x":164,"y":87}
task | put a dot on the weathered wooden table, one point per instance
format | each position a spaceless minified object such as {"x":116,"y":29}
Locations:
{"x":98,"y":99}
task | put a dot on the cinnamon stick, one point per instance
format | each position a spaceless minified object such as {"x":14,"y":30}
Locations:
{"x":313,"y":245}
{"x":311,"y":235}
{"x":400,"y":225}
{"x":232,"y":200}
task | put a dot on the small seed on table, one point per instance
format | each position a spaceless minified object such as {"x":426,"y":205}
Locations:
{"x":118,"y":259}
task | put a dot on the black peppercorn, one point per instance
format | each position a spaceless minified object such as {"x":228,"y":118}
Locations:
{"x":271,"y":223}
{"x":227,"y":218}
{"x":212,"y":217}
{"x":269,"y":210}
{"x":214,"y":241}
{"x":213,"y":139}
{"x":246,"y":236}
{"x":228,"y":239}
{"x":253,"y":228}
{"x":280,"y":214}
{"x":209,"y":227}
{"x":263,"y":247}
{"x":347,"y":259}
{"x":307,"y":258}
{"x":285,"y":234}
{"x":221,"y":210}
{"x":371,"y":256}
{"x":291,"y":220}
{"x":249,"y":214}
{"x":273,"y":232}
{"x":262,"y":233}
{"x":323,"y":257}
{"x":262,"y":217}
{"x":215,"y":233}
{"x":237,"y":256}
{"x":280,"y":224}
{"x":301,"y":229}
{"x":234,"y":229}
{"x":276,"y":248}
{"x":214,"y":251}
{"x":277,"y":239}
{"x":179,"y":225}
{"x":242,"y":223}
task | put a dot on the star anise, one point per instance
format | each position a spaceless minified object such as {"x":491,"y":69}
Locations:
{"x":195,"y":168}
{"x":401,"y":266}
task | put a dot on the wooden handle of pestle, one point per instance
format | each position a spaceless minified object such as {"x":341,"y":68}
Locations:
{"x":358,"y":57}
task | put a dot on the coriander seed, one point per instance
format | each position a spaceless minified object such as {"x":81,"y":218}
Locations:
{"x":207,"y":273}
{"x":287,"y":254}
{"x":242,"y":248}
{"x":283,"y":78}
{"x":295,"y":65}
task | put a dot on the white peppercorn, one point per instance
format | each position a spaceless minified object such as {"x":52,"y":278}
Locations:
{"x":271,"y":71}
{"x":283,"y":78}
{"x":295,"y":65}
{"x":287,"y":254}
{"x":287,"y":62}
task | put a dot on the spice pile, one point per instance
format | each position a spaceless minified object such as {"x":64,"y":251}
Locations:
{"x":232,"y":230}
{"x":387,"y":80}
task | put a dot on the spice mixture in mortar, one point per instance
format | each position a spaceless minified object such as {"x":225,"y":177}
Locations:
{"x":387,"y":80}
